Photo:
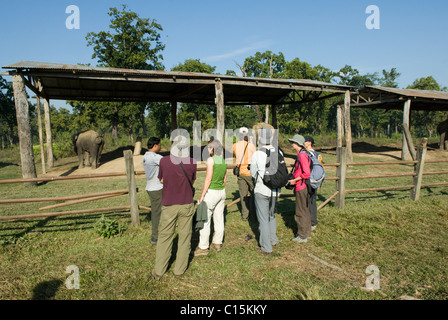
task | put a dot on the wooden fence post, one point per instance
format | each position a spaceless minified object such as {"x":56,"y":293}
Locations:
{"x":341,"y":173}
{"x":130,"y":173}
{"x":418,"y":169}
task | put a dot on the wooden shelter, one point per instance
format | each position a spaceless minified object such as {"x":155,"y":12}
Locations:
{"x":74,"y":82}
{"x":375,"y":97}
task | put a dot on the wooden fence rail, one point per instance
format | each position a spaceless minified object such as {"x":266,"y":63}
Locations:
{"x":339,"y":194}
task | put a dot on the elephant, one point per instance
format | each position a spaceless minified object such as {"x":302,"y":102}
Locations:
{"x":91,"y":142}
{"x":442,"y":130}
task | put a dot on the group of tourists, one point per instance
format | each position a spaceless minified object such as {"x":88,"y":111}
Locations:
{"x":170,"y":181}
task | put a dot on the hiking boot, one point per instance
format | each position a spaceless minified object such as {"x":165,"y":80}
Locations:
{"x":200,"y":252}
{"x":217,"y":247}
{"x":298,"y":239}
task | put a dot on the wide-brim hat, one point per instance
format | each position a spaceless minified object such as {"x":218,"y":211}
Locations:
{"x":300,"y":140}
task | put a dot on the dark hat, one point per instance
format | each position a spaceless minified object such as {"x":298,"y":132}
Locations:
{"x":309,"y":139}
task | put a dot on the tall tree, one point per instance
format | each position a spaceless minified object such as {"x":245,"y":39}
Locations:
{"x":389,"y":80}
{"x":265,"y":65}
{"x":8,"y":121}
{"x":132,"y":43}
{"x":426,"y":121}
{"x":190,"y":112}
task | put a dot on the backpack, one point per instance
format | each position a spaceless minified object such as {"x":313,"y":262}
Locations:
{"x":276,"y":172}
{"x":317,"y":170}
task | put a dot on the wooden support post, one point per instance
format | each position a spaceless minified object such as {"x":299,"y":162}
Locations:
{"x":274,"y":116}
{"x":50,"y":158}
{"x":348,"y":126}
{"x":339,"y":127}
{"x":41,"y":141}
{"x":129,"y":163}
{"x":405,"y":155}
{"x":219,"y":100}
{"x":418,"y":169}
{"x":409,"y":141}
{"x":138,"y":146}
{"x":173,"y":115}
{"x":341,"y":174}
{"x":24,"y":129}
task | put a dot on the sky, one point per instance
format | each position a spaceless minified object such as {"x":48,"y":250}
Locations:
{"x":411,"y":36}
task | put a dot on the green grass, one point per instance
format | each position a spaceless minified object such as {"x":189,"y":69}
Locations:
{"x":407,"y":240}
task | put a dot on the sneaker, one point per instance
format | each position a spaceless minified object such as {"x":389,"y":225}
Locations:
{"x":156,"y":276}
{"x":200,"y":252}
{"x":217,"y":247}
{"x":298,"y":239}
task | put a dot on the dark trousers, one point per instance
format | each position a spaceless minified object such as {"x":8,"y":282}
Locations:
{"x":312,"y":206}
{"x":303,"y":217}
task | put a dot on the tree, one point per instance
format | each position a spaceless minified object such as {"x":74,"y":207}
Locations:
{"x":190,"y":112}
{"x":8,"y":121}
{"x":135,"y":43}
{"x":264,"y":65}
{"x":426,"y":121}
{"x":389,"y":80}
{"x":132,"y":43}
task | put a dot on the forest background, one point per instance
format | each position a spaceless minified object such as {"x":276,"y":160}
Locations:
{"x":133,"y":42}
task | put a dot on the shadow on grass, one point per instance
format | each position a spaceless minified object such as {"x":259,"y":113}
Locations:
{"x":46,"y":290}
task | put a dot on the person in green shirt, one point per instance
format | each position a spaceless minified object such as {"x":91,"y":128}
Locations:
{"x":214,"y":195}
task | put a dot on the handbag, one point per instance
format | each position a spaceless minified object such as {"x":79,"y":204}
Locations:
{"x":236,"y":170}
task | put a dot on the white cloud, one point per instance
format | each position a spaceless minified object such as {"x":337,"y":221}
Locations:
{"x":255,"y":46}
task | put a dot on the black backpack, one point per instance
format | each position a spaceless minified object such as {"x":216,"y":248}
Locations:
{"x":276,"y":172}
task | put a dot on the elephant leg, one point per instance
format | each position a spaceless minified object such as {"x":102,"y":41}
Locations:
{"x":442,"y":145}
{"x":80,"y":158}
{"x":94,"y":159}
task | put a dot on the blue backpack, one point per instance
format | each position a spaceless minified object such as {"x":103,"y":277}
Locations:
{"x":317,"y":170}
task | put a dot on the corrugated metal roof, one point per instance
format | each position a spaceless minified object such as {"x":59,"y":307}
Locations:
{"x":429,"y":94}
{"x":33,"y":65}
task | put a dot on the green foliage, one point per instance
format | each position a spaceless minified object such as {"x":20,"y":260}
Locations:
{"x":132,"y":43}
{"x":8,"y":122}
{"x":108,"y":228}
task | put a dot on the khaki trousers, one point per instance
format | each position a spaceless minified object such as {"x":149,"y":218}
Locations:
{"x":182,"y":215}
{"x":246,"y":188}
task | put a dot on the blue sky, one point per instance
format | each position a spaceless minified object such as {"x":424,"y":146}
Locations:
{"x":413,"y":35}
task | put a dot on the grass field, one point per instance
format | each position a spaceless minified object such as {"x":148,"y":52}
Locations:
{"x":407,"y":241}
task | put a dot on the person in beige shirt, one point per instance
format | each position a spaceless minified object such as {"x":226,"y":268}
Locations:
{"x":243,"y":151}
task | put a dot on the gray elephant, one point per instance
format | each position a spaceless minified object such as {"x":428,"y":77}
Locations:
{"x":91,"y":142}
{"x":442,"y":130}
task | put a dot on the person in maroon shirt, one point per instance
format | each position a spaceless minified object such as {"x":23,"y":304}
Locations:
{"x":177,"y":208}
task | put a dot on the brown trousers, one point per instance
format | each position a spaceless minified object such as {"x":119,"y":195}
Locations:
{"x":303,"y":217}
